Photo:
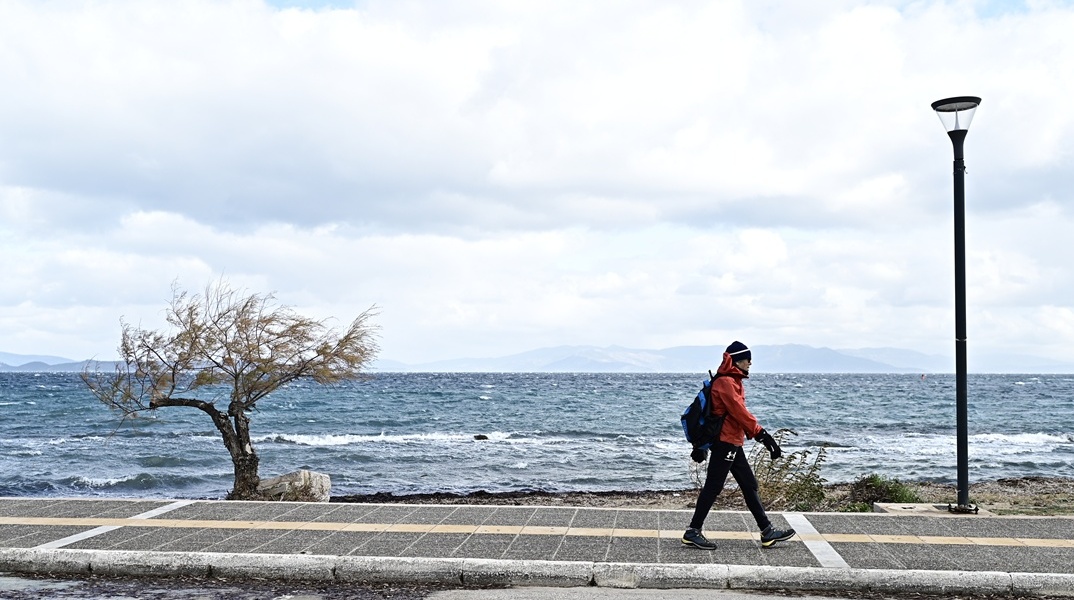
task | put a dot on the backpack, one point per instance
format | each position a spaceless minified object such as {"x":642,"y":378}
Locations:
{"x":702,"y":428}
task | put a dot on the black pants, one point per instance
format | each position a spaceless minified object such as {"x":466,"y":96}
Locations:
{"x":727,"y":458}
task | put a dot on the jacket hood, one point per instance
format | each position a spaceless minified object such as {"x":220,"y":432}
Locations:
{"x":728,"y":368}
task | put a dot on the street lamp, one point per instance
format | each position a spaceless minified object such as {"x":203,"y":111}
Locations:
{"x":956,"y":115}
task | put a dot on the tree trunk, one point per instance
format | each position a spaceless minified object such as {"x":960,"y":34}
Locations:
{"x":246,"y":478}
{"x":236,"y":435}
{"x":243,"y":456}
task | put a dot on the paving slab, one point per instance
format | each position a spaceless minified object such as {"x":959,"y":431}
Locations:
{"x":582,"y":549}
{"x":534,"y":547}
{"x":513,"y":515}
{"x":38,"y":535}
{"x":633,"y":550}
{"x":15,"y":507}
{"x":552,"y":517}
{"x":341,"y":543}
{"x":521,"y":545}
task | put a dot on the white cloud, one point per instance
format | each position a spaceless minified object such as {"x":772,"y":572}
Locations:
{"x":498,"y":177}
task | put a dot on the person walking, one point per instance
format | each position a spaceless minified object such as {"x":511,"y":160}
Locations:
{"x":729,"y":399}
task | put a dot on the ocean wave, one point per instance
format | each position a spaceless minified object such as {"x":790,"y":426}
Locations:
{"x":928,"y":443}
{"x":492,"y":437}
{"x":82,"y":481}
{"x":163,"y":462}
{"x":561,"y":432}
{"x":1022,"y":439}
{"x":22,"y":487}
{"x":383,"y":438}
{"x":132,"y":482}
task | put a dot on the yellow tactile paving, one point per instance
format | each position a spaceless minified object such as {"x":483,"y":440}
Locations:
{"x":410,"y":527}
{"x":732,"y":535}
{"x":895,"y":539}
{"x":939,"y":539}
{"x":675,"y":534}
{"x":848,"y":538}
{"x":191,"y":523}
{"x":589,"y":531}
{"x":94,"y":522}
{"x":991,"y":541}
{"x":642,"y":533}
{"x":318,"y":526}
{"x":363,"y":527}
{"x":1046,"y":543}
{"x":500,"y":529}
{"x":454,"y":528}
{"x":856,"y":538}
{"x":544,"y":530}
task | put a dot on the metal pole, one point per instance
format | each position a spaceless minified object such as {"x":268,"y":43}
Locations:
{"x":958,"y":136}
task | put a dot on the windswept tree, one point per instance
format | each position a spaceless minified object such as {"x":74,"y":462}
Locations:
{"x":224,"y":352}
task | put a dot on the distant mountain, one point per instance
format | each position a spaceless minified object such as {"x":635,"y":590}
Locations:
{"x":979,"y":362}
{"x":31,"y":363}
{"x":16,"y":360}
{"x":1016,"y":363}
{"x":788,"y":358}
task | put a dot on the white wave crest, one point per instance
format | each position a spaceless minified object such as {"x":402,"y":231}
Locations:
{"x":354,"y":440}
{"x":981,"y":445}
{"x":1021,"y":439}
{"x":98,"y":482}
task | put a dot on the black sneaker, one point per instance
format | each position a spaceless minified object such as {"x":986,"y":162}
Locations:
{"x":693,"y":537}
{"x":772,"y":535}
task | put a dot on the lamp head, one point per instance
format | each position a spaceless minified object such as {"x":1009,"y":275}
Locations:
{"x":956,"y":113}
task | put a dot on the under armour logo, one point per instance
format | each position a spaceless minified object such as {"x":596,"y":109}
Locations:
{"x":730,"y":456}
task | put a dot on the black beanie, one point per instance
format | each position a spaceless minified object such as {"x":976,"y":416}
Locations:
{"x":739,"y":351}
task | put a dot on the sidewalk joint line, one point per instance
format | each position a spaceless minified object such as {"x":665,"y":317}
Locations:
{"x":85,"y":535}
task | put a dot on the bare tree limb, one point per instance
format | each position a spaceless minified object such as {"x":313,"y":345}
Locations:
{"x":223,"y":343}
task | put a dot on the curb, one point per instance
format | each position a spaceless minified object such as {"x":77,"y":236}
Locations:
{"x":511,"y":573}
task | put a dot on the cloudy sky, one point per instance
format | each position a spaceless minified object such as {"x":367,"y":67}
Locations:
{"x":501,"y":176}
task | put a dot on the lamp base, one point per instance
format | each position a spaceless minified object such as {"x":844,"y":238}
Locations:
{"x":962,"y":509}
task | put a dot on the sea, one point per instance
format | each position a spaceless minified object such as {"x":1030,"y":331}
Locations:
{"x":407,"y":433}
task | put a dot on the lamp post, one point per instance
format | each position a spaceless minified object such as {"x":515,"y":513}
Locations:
{"x":956,"y":115}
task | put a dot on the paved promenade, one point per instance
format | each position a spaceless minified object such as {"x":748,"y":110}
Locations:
{"x":535,"y":546}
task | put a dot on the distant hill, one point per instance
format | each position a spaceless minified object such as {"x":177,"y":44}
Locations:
{"x":17,"y":360}
{"x":71,"y":367}
{"x":31,"y":363}
{"x":788,"y":358}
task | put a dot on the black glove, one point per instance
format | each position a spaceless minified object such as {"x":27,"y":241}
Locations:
{"x":773,"y":447}
{"x":699,"y":455}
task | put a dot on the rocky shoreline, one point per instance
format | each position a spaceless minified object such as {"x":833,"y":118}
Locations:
{"x":1013,"y":496}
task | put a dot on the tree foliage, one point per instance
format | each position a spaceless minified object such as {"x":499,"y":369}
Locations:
{"x":227,"y":346}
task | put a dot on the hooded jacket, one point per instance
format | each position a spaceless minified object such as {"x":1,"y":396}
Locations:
{"x":728,"y":398}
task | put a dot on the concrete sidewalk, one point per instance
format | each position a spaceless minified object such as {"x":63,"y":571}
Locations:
{"x":526,"y":545}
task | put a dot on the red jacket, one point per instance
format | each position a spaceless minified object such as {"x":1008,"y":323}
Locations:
{"x":729,"y":399}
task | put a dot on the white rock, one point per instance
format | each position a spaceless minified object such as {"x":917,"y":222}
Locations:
{"x":300,"y":485}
